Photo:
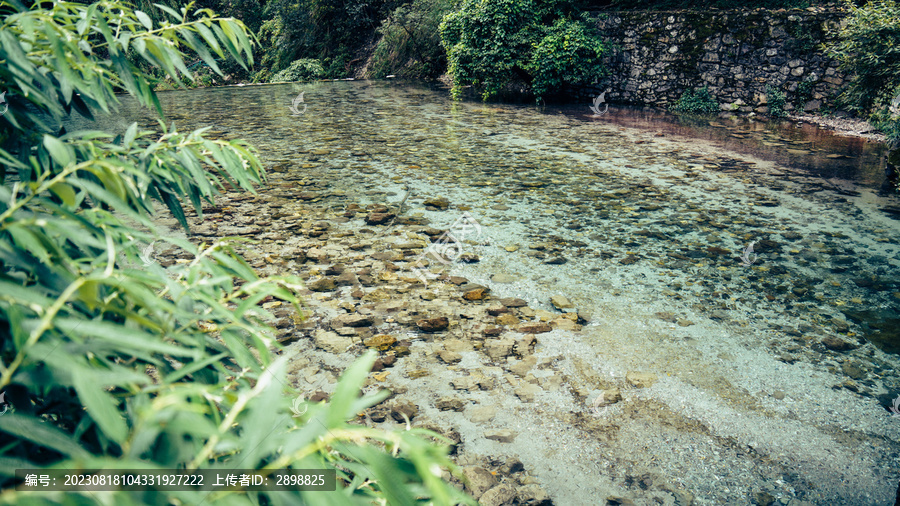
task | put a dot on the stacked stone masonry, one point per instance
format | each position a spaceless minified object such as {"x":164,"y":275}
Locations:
{"x":658,"y":55}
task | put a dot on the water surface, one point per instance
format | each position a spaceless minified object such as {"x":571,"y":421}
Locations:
{"x":641,"y":220}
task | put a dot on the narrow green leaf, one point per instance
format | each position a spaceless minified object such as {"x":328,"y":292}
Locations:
{"x":210,"y":39}
{"x":60,"y":153}
{"x":79,"y":104}
{"x":130,"y":134}
{"x":348,"y":389}
{"x":16,"y":317}
{"x":201,"y":49}
{"x":168,"y":10}
{"x":65,"y":192}
{"x":175,"y":207}
{"x":389,"y":476}
{"x":226,"y":40}
{"x":144,"y":19}
{"x":41,"y":433}
{"x":18,"y":294}
{"x":100,"y":405}
{"x":123,"y":337}
{"x":239,"y":267}
{"x":193,"y":367}
{"x":28,"y":240}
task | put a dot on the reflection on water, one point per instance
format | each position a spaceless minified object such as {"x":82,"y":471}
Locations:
{"x":631,"y":206}
{"x":804,"y":147}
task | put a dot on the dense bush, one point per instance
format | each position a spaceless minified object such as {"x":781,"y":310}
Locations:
{"x":868,"y":47}
{"x":304,"y":69}
{"x":696,"y":101}
{"x":332,"y":31}
{"x":885,"y":116}
{"x":566,"y":54}
{"x":105,"y":363}
{"x":804,"y":93}
{"x":776,"y":101}
{"x":410,"y":44}
{"x":489,"y":44}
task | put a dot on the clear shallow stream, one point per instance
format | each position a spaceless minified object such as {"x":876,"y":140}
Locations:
{"x":651,"y":217}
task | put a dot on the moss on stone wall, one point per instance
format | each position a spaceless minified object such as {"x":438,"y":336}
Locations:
{"x":737,"y":53}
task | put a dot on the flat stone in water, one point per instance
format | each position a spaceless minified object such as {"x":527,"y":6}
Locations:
{"x":561,"y":302}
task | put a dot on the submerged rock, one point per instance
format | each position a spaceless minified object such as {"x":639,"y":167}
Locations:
{"x":352,"y":320}
{"x":502,"y":435}
{"x":503,"y":278}
{"x":607,"y":397}
{"x":379,"y":218}
{"x":433,"y":324}
{"x":478,"y":480}
{"x":481,"y":414}
{"x":401,"y":408}
{"x":560,"y":302}
{"x":450,"y":404}
{"x":476,"y":294}
{"x":640,"y":379}
{"x":441,"y":203}
{"x":534,"y":328}
{"x":331,"y":341}
{"x":837,"y":344}
{"x":532,"y":495}
{"x":381,"y":342}
{"x":527,"y":391}
{"x":513,"y":302}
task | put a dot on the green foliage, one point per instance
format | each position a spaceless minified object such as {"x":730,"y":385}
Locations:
{"x":109,"y":364}
{"x":328,"y":30}
{"x":490,"y":43}
{"x":885,"y":116}
{"x":696,"y":101}
{"x":304,"y":69}
{"x":868,"y":48}
{"x":248,"y":11}
{"x":410,"y":44}
{"x":806,"y":37}
{"x":804,"y":92}
{"x":276,"y":51}
{"x":567,"y":54}
{"x":776,"y":100}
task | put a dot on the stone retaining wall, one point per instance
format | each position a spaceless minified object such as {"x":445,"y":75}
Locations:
{"x":659,"y":55}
